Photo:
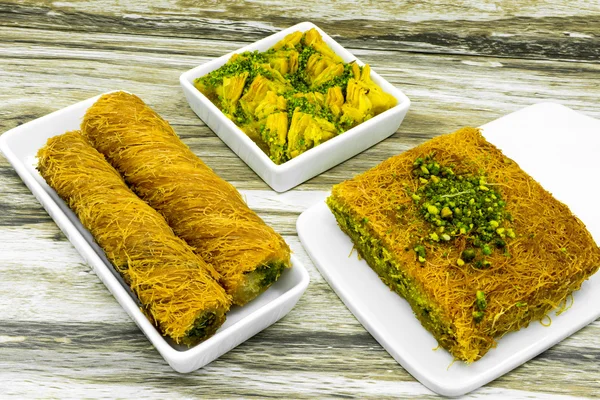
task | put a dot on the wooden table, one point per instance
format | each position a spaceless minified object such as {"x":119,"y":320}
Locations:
{"x":465,"y":62}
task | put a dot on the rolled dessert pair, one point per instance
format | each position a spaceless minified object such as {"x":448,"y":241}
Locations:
{"x":177,"y":289}
{"x":181,"y":237}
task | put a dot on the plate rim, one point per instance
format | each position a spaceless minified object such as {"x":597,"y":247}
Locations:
{"x":174,"y":357}
{"x":462,"y":386}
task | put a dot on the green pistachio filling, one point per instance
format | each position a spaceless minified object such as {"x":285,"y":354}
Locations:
{"x":204,"y":326}
{"x":257,"y":281}
{"x":391,"y":273}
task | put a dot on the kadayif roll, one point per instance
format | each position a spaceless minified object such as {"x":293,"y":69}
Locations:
{"x":176,"y":288}
{"x":203,"y":209}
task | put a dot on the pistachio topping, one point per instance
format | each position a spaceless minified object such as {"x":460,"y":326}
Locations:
{"x":480,"y":300}
{"x":478,"y":316}
{"x":461,"y":205}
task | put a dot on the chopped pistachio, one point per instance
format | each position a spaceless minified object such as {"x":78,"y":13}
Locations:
{"x":433,"y":210}
{"x":460,"y":205}
{"x":500,"y":243}
{"x":460,"y":262}
{"x":420,"y":250}
{"x":446,"y":213}
{"x":478,"y":316}
{"x":480,"y":300}
{"x":468,"y":255}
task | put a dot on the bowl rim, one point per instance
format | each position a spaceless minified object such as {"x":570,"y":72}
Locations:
{"x":187,"y":78}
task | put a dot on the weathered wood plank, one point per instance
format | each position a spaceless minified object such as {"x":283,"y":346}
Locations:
{"x":554,"y":30}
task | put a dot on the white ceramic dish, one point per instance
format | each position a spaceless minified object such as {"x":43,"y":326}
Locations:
{"x":559,"y":148}
{"x":20,"y":146}
{"x":314,"y":161}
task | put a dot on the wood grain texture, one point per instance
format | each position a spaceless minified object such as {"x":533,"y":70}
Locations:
{"x":462,"y":63}
{"x":543,"y":28}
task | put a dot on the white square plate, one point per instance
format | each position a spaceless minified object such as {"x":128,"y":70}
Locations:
{"x":20,"y":146}
{"x":559,"y":148}
{"x":314,"y":161}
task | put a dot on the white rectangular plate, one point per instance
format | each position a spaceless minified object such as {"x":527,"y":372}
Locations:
{"x":20,"y":146}
{"x":559,"y":148}
{"x":314,"y":161}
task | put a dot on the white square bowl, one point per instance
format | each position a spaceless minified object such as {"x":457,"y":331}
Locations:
{"x":314,"y":161}
{"x":20,"y":146}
